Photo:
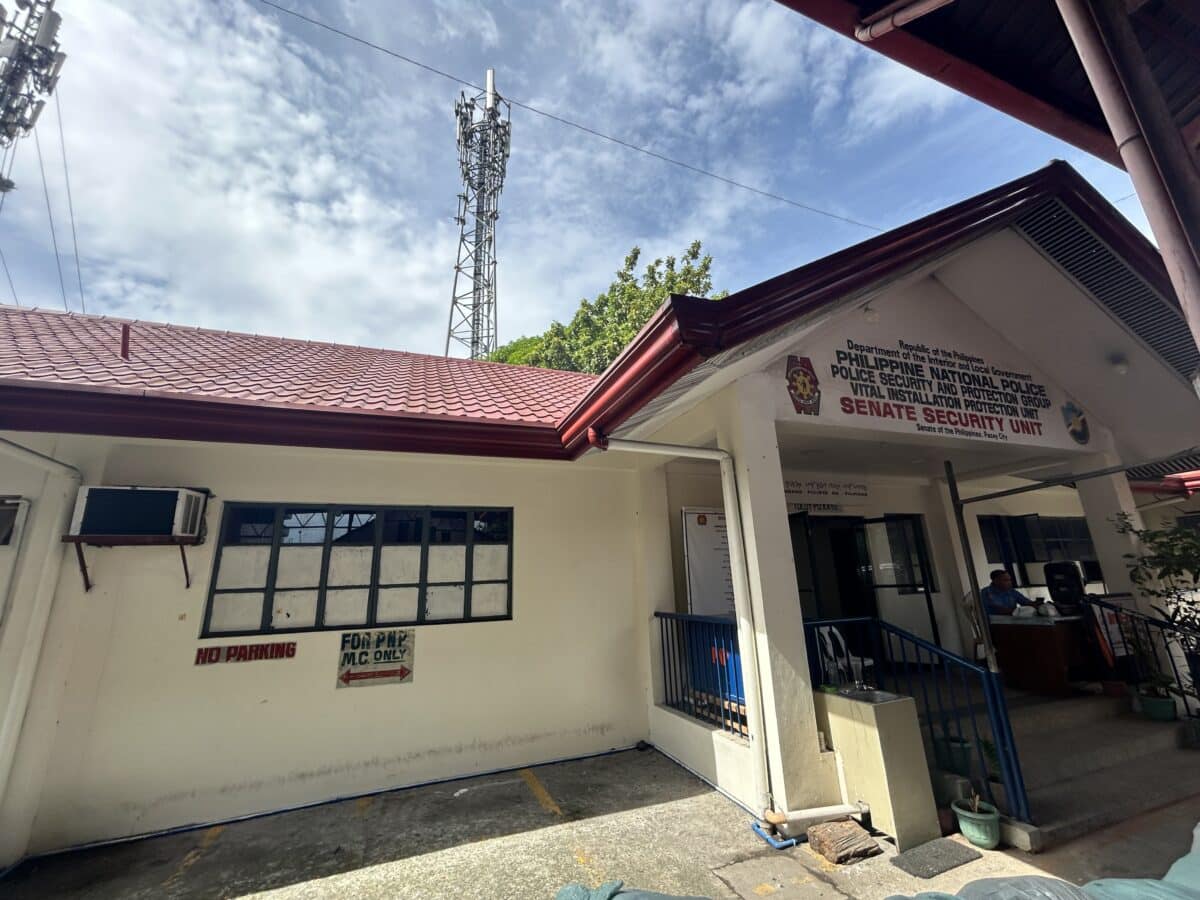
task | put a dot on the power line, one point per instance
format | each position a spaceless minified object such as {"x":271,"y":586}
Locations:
{"x":50,"y":214}
{"x":568,"y":122}
{"x":70,"y":203}
{"x":8,"y":275}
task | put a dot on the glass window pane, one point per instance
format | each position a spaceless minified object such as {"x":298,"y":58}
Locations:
{"x":444,"y":602}
{"x":489,"y":600}
{"x":350,"y":565}
{"x":490,"y":562}
{"x":346,"y":607}
{"x":298,"y":567}
{"x":397,"y":605}
{"x":401,"y":526}
{"x":303,"y":526}
{"x":447,"y":564}
{"x":354,"y":526}
{"x":399,"y":565}
{"x":493,"y":527}
{"x":243,"y":567}
{"x":236,"y":612}
{"x":294,"y":609}
{"x":447,"y":526}
{"x":249,"y":525}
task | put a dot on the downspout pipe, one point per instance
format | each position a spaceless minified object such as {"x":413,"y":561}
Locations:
{"x":743,"y":608}
{"x":896,"y":16}
{"x":43,"y":601}
{"x":791,"y":821}
{"x":1178,"y":253}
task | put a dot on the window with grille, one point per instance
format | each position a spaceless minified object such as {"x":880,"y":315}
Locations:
{"x":299,"y":567}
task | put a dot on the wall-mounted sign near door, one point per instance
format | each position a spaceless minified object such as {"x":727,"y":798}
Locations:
{"x":379,"y":656}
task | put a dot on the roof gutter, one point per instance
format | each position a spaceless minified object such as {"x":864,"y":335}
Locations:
{"x":652,"y":362}
{"x":895,"y":16}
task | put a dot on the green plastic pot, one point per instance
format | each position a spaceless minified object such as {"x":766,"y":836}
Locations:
{"x":1158,"y":709}
{"x":980,"y":828}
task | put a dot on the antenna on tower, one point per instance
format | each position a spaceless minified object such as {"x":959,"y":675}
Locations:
{"x":484,"y":134}
{"x":30,"y":63}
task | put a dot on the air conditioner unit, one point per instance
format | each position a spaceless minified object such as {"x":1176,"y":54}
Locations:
{"x":139,"y":512}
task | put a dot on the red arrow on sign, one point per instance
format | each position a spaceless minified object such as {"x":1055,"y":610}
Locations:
{"x":349,"y":676}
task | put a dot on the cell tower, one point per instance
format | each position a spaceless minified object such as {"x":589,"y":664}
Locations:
{"x":30,"y":63}
{"x":484,"y":134}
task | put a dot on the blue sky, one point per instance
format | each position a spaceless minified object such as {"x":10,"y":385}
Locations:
{"x":234,"y":168}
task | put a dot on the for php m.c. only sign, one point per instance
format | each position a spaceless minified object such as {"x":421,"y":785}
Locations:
{"x":377,"y":656}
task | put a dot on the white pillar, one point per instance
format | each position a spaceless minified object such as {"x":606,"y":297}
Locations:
{"x":802,"y":775}
{"x":1103,"y":500}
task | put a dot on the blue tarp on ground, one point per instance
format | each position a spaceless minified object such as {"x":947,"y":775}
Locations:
{"x":1182,"y":882}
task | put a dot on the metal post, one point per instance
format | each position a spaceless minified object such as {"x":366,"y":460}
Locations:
{"x":1163,"y":198}
{"x":985,"y":628}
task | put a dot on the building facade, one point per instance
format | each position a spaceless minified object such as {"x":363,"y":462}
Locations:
{"x":414,"y":569}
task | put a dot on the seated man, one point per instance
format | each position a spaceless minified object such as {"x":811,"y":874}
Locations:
{"x":1000,"y":598}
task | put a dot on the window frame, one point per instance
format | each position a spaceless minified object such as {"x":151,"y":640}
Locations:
{"x":331,"y":510}
{"x":1012,"y":543}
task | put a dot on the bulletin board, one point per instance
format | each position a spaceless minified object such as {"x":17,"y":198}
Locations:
{"x":706,"y":562}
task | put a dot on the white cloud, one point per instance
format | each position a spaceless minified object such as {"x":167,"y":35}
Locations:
{"x":883,"y":93}
{"x":234,"y":168}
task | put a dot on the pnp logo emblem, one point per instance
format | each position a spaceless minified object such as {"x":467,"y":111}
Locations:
{"x":803,"y":385}
{"x":1076,"y":422}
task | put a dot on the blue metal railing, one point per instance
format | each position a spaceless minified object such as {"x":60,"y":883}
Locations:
{"x":702,"y":669}
{"x":1145,"y":650}
{"x":951,"y":693}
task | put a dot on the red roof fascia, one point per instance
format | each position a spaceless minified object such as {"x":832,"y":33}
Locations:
{"x":842,"y":16}
{"x":652,"y":362}
{"x":80,"y":411}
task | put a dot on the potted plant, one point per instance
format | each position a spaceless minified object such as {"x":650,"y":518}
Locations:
{"x":978,"y":821}
{"x":1167,"y":570}
{"x":1156,"y":698}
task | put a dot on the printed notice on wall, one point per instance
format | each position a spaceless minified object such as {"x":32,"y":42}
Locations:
{"x":378,"y":656}
{"x":706,"y":561}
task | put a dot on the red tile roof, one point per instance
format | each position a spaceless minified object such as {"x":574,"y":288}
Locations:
{"x":43,"y":348}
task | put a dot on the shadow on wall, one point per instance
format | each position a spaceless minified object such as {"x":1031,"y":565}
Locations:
{"x":282,"y":849}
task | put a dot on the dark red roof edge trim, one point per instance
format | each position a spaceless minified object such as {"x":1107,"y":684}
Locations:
{"x":653,"y":361}
{"x":953,"y":71}
{"x":121,"y":415}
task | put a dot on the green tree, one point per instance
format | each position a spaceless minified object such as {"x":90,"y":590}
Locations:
{"x":601,"y":328}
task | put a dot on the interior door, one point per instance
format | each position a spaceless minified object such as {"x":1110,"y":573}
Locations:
{"x":896,"y":565}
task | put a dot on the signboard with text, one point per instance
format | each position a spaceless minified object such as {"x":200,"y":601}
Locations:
{"x":902,"y":385}
{"x":375,"y":656}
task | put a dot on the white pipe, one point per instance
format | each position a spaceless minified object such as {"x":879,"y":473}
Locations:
{"x":747,"y":638}
{"x":41,"y":460}
{"x":878,"y":27}
{"x":43,"y":601}
{"x":491,"y":88}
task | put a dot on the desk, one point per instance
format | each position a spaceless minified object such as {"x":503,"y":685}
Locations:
{"x":1038,"y":654}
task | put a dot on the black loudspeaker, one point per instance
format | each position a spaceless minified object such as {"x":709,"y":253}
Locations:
{"x":1065,"y":582}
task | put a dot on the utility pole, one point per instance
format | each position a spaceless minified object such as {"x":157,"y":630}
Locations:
{"x":30,"y":63}
{"x":484,"y":134}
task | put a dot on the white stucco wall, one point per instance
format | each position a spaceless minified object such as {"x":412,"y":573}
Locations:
{"x":143,"y":739}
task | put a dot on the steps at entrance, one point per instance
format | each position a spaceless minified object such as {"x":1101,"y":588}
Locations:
{"x":1090,"y":761}
{"x":1038,"y":717}
{"x":1076,"y":806}
{"x":1075,"y":750}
